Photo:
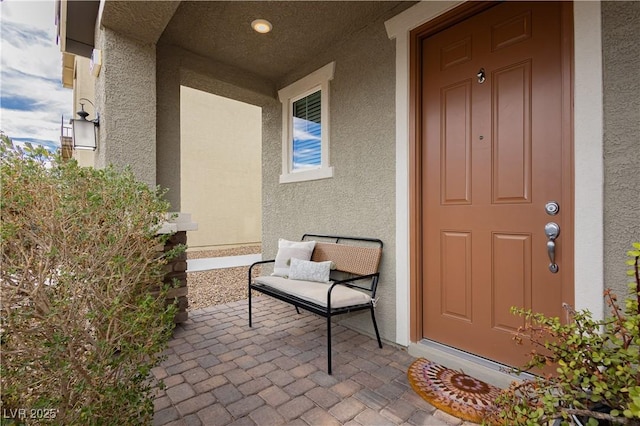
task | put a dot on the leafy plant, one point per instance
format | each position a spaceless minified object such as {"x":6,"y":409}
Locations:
{"x":596,"y":364}
{"x":81,"y":319}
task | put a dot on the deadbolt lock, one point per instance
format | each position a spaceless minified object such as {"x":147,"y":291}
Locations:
{"x":552,"y":208}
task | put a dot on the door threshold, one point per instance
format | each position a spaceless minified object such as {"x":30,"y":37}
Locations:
{"x":491,"y":372}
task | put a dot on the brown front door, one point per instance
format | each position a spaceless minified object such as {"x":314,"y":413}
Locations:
{"x":493,"y":134}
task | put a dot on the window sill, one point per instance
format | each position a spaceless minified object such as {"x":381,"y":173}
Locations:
{"x":304,"y":175}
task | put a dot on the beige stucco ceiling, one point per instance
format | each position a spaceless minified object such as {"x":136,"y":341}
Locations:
{"x":221,"y":30}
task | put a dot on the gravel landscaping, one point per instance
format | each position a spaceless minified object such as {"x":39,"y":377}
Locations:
{"x":218,"y":286}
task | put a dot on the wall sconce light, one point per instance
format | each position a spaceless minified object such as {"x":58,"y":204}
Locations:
{"x":85,"y":132}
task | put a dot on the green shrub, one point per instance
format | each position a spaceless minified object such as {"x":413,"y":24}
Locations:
{"x":80,"y":329}
{"x":596,"y":364}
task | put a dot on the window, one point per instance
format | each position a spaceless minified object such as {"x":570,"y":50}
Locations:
{"x":305,"y":127}
{"x":307,"y":132}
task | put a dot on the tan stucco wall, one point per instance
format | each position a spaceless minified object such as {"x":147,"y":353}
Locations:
{"x":126,"y":100}
{"x":621,"y":64}
{"x":360,"y":198}
{"x":220,"y":168}
{"x":177,"y":68}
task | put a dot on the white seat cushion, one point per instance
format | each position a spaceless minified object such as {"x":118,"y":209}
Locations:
{"x":316,"y":292}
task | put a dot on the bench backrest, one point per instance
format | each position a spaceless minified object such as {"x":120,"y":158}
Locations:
{"x":347,"y":258}
{"x":353,"y":255}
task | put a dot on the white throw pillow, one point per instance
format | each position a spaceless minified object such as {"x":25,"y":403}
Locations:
{"x":289,"y":250}
{"x":306,"y":270}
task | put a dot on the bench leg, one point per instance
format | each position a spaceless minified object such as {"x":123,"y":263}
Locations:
{"x":329,"y":344}
{"x":249,"y":306}
{"x":297,"y":310}
{"x":375,"y":327}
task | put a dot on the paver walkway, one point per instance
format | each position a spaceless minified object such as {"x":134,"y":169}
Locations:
{"x":219,"y":371}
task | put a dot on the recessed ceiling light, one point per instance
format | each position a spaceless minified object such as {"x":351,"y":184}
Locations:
{"x":262,"y":26}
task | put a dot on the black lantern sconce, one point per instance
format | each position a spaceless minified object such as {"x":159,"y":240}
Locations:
{"x":85,"y":132}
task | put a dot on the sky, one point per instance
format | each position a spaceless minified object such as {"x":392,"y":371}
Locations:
{"x":32,"y":99}
{"x":307,"y":144}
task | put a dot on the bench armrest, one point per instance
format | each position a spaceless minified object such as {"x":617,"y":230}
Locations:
{"x":348,"y":282}
{"x":260,"y":262}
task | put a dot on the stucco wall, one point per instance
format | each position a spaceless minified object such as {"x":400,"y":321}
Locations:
{"x":621,"y":63}
{"x":221,"y":172}
{"x":359,"y":200}
{"x":126,"y":100}
{"x":177,"y":68}
{"x":168,"y":124}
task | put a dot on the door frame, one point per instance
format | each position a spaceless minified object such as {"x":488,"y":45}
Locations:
{"x":416,"y":36}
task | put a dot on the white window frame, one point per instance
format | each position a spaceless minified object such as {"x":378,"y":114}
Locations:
{"x":317,"y":80}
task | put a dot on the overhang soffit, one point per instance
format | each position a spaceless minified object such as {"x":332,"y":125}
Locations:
{"x":143,"y":21}
{"x":76,"y":26}
{"x":302,"y":31}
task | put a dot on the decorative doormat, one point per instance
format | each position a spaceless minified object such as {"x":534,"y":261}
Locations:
{"x":453,"y":391}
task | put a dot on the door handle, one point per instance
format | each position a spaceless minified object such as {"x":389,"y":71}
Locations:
{"x":552,"y":230}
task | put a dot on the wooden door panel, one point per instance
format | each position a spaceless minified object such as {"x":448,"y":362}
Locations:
{"x":455,"y":142}
{"x":455,"y":53}
{"x":511,"y":270}
{"x":512,"y":133}
{"x":510,"y":31}
{"x":456,"y":275}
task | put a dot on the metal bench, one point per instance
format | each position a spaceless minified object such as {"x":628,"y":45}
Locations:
{"x":352,"y":288}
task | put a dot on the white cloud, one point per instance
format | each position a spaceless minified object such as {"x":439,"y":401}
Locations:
{"x":40,"y":14}
{"x":306,"y":130}
{"x":33,"y":99}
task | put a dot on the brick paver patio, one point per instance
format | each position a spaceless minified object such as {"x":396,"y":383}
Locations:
{"x":219,"y":371}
